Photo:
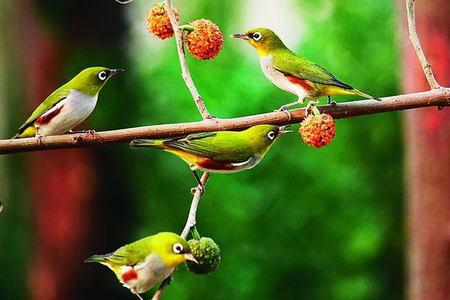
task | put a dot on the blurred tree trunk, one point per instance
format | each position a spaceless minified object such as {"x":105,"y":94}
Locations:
{"x":61,"y":181}
{"x":428,"y":158}
{"x":5,"y":52}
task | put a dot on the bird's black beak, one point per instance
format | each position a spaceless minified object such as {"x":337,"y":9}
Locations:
{"x":115,"y":71}
{"x":240,"y":36}
{"x":282,"y":130}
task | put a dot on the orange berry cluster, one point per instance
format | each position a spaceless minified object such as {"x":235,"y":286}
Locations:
{"x":317,"y":130}
{"x":203,"y":40}
{"x":158,"y":22}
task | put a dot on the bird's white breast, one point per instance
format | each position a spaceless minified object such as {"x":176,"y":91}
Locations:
{"x":151,"y":272}
{"x":76,"y":107}
{"x":248,"y":164}
{"x":279,"y":79}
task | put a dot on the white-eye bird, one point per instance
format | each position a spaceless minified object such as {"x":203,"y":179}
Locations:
{"x":220,"y":151}
{"x":68,"y":106}
{"x":141,"y":265}
{"x":293,"y":73}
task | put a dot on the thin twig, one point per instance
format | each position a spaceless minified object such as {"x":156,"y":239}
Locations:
{"x":183,"y":62}
{"x":166,"y":282}
{"x":437,"y":97}
{"x":191,"y":221}
{"x":417,"y":47}
{"x":205,"y":115}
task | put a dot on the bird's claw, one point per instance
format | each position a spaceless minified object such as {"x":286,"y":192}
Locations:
{"x":78,"y":138}
{"x":283,"y":108}
{"x":331,"y":102}
{"x":39,"y":139}
{"x":92,"y":133}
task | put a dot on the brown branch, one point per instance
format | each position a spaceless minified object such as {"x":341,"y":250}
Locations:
{"x":166,"y":282}
{"x":183,"y":62}
{"x":417,"y":47}
{"x":437,"y":97}
{"x":191,"y":221}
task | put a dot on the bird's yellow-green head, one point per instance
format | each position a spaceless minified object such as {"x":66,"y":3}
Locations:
{"x":264,"y":40}
{"x":91,"y":80}
{"x":261,"y":137}
{"x":172,"y":249}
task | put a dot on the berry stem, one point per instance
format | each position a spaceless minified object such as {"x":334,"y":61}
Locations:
{"x":315,"y":110}
{"x":194,"y":232}
{"x":186,"y":27}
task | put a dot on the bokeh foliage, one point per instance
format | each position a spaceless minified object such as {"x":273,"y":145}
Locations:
{"x":305,"y":223}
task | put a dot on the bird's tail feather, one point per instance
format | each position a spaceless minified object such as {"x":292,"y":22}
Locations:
{"x":362,"y":94}
{"x":146,"y":144}
{"x":97,"y":258}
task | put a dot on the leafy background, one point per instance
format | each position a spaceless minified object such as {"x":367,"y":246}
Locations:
{"x":306,"y":223}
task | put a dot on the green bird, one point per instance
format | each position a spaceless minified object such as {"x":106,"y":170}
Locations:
{"x":221,"y":151}
{"x":141,"y":265}
{"x":293,"y":73}
{"x":68,"y":106}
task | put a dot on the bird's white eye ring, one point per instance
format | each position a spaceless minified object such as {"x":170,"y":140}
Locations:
{"x":102,"y":75}
{"x":271,"y":135}
{"x":256,"y":36}
{"x":177,"y":248}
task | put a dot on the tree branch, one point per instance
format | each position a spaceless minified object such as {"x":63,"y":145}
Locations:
{"x":166,"y":282}
{"x":183,"y":62}
{"x":436,"y":97}
{"x":191,"y":222}
{"x":417,"y":47}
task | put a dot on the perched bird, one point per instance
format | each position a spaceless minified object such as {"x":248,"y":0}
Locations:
{"x":221,"y":151}
{"x":68,"y":106}
{"x":293,"y":73}
{"x":141,"y":265}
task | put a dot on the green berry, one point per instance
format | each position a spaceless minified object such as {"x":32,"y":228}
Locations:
{"x":207,"y":253}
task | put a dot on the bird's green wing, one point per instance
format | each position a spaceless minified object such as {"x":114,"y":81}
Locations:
{"x":291,"y":64}
{"x":131,"y":254}
{"x":56,"y":97}
{"x":220,"y":146}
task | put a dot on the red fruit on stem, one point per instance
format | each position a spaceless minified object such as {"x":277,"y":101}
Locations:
{"x":318,"y":130}
{"x":158,"y":22}
{"x":205,"y":40}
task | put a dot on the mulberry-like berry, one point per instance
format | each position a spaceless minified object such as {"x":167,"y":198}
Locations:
{"x":207,"y":253}
{"x":205,"y":40}
{"x":158,"y":22}
{"x":318,"y":130}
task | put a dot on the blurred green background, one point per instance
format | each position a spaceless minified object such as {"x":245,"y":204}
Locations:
{"x":304,"y":224}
